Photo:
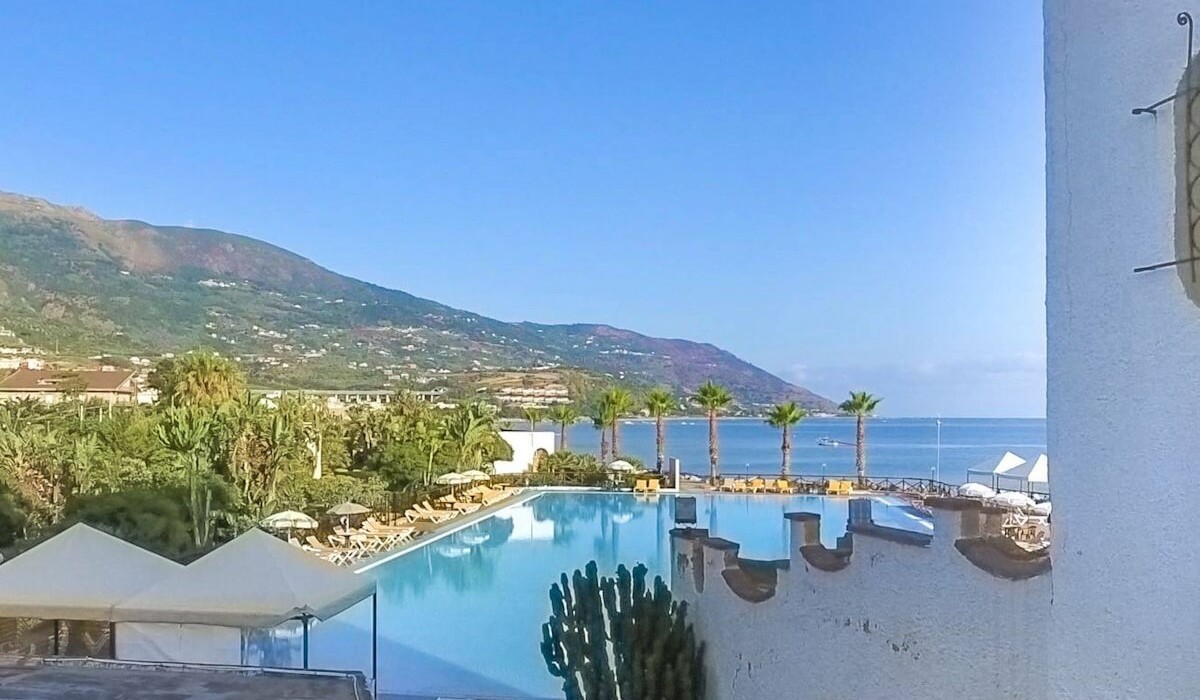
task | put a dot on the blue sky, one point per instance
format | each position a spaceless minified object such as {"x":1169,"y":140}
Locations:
{"x":850,"y":195}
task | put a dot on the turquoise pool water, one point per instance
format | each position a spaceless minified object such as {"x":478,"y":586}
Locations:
{"x":461,"y":616}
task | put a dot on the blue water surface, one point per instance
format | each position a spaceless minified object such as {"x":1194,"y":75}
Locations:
{"x":461,"y":616}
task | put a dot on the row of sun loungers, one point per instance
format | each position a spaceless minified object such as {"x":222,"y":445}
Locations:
{"x":760,"y":485}
{"x":345,"y":546}
{"x":348,"y":545}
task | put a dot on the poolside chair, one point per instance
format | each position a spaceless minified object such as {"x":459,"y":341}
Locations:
{"x":398,"y":535}
{"x":782,"y":486}
{"x":652,"y":485}
{"x":727,"y":484}
{"x":740,"y":486}
{"x":437,"y":516}
{"x":640,"y":486}
{"x":838,"y":488}
{"x":333,"y":555}
{"x":757,"y":485}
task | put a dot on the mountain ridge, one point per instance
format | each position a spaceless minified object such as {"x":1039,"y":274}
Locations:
{"x":127,"y":286}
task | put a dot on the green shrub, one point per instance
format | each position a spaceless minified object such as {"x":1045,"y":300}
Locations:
{"x":155,"y":520}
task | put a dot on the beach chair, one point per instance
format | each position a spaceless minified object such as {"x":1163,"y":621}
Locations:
{"x":757,"y":485}
{"x":641,"y":486}
{"x":652,"y":485}
{"x":783,"y":486}
{"x":727,"y":484}
{"x":838,"y":488}
{"x":333,"y":555}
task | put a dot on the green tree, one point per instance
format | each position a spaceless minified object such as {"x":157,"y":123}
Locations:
{"x":186,"y":433}
{"x":533,"y":414}
{"x":660,"y":403}
{"x":615,"y":403}
{"x":861,"y":405}
{"x":784,"y":416}
{"x":564,"y":416}
{"x":473,"y":436}
{"x":713,"y":398}
{"x":198,"y":379}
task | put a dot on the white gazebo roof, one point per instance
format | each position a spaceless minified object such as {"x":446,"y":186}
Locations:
{"x":1008,"y":463}
{"x":79,"y":574}
{"x":254,"y":581}
{"x":1035,"y":472}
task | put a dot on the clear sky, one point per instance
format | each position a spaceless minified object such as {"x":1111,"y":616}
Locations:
{"x":850,"y":195}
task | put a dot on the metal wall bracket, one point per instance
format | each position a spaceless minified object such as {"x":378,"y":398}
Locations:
{"x":1183,"y":19}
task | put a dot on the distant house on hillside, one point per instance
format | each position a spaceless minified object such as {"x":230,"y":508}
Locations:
{"x":52,"y":386}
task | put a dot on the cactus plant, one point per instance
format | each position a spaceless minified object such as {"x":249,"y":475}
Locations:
{"x":619,"y":639}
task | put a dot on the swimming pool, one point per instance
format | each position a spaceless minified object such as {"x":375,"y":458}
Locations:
{"x":461,"y":616}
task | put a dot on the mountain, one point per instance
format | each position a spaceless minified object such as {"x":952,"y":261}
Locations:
{"x":87,"y":286}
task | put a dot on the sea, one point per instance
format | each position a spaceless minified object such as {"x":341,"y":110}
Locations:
{"x":898,"y":447}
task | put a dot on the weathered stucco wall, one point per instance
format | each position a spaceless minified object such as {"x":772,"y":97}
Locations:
{"x":1123,"y":358}
{"x":901,"y":616}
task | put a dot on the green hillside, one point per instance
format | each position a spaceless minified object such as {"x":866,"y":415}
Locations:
{"x":88,"y":286}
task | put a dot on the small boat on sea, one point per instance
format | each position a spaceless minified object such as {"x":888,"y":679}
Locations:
{"x":830,"y":442}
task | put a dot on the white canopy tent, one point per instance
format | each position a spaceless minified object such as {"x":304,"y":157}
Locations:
{"x":992,"y":469}
{"x":79,"y":574}
{"x":245,"y":603}
{"x":1028,"y":474}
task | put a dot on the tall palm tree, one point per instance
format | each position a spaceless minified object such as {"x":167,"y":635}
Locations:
{"x":660,"y":403}
{"x":713,"y":398}
{"x":600,"y":422}
{"x":619,"y":402}
{"x":535,"y":415}
{"x":199,"y":379}
{"x":861,"y":404}
{"x":784,"y":416}
{"x":563,"y":415}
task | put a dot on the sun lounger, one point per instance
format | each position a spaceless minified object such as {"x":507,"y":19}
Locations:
{"x":757,"y":485}
{"x":727,"y":485}
{"x":741,"y":486}
{"x":640,"y":486}
{"x":838,"y":488}
{"x":781,"y":486}
{"x":437,"y":516}
{"x":334,"y":555}
{"x":652,"y":485}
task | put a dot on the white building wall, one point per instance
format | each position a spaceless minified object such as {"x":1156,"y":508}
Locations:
{"x":1123,"y":358}
{"x":899,"y":620}
{"x":525,"y":445}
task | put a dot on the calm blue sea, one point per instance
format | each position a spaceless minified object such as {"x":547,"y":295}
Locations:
{"x":895,"y":446}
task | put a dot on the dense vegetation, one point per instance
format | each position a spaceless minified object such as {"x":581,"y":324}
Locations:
{"x":213,"y":459}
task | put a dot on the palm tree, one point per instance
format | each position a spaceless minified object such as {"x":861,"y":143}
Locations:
{"x":202,"y":378}
{"x":618,"y":402}
{"x":784,"y":416}
{"x":564,"y":416}
{"x":186,"y":432}
{"x":535,"y":415}
{"x":660,"y":403}
{"x":861,"y":404}
{"x":713,"y":398}
{"x":600,"y":422}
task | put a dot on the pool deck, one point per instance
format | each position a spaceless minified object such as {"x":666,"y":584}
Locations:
{"x":80,"y":679}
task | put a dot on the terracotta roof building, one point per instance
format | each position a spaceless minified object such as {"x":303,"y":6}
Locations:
{"x":52,"y":386}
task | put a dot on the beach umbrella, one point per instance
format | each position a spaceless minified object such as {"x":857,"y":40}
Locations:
{"x":621,"y":466}
{"x":289,"y":520}
{"x":453,"y":479}
{"x":476,"y":475}
{"x":347,"y":509}
{"x":1012,"y":499}
{"x":973,"y":490}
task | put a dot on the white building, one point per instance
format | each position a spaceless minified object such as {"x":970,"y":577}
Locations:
{"x":525,"y":446}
